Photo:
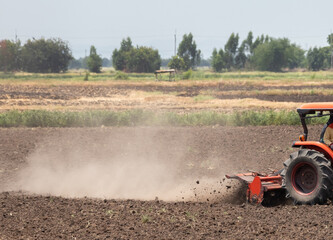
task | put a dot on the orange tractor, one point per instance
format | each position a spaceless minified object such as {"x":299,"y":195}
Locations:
{"x":307,"y":176}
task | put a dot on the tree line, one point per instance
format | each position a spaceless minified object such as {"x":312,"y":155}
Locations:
{"x":265,"y":53}
{"x":262,"y":53}
{"x":40,"y":56}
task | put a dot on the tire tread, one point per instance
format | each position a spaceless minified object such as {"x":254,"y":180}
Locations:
{"x":326,"y":187}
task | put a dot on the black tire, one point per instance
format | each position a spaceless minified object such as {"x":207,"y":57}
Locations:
{"x":308,"y":177}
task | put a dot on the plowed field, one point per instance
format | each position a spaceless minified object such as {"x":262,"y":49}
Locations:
{"x":147,"y":182}
{"x":179,"y":97}
{"x":86,"y":184}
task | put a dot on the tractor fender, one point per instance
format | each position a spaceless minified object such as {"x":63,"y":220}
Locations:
{"x":317,"y":146}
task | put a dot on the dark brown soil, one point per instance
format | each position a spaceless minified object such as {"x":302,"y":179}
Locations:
{"x":197,"y":156}
{"x":301,"y":98}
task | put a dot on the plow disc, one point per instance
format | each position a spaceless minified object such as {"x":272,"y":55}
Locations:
{"x":261,"y":188}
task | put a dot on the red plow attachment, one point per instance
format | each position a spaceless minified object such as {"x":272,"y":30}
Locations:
{"x":261,"y":188}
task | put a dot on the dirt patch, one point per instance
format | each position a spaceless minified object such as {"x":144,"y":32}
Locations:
{"x":299,"y":98}
{"x":38,"y":217}
{"x":40,"y":160}
{"x":154,"y":96}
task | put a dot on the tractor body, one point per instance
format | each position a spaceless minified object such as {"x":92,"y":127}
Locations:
{"x":307,"y":176}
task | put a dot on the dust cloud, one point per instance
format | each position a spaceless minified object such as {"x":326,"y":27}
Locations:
{"x":129,"y":165}
{"x":94,"y":178}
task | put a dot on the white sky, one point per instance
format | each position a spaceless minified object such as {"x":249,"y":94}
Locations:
{"x":104,"y":23}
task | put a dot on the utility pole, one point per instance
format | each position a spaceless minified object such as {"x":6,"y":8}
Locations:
{"x":330,"y":42}
{"x":175,"y":42}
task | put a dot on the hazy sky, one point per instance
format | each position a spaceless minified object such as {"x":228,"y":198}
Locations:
{"x":104,"y":23}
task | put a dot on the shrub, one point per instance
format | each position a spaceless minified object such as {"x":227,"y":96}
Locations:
{"x":187,"y":75}
{"x":94,"y":61}
{"x":86,"y":77}
{"x":177,"y":63}
{"x":121,"y":76}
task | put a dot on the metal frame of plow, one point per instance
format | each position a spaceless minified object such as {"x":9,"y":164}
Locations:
{"x":258,"y":184}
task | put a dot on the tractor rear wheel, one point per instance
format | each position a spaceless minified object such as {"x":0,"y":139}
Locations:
{"x":308,"y":177}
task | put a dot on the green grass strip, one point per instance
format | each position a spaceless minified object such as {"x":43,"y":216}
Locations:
{"x":41,"y":118}
{"x":111,"y":75}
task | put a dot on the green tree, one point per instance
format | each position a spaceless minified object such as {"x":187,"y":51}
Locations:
{"x":315,"y":59}
{"x":230,"y":50}
{"x":244,"y":51}
{"x":241,"y":58}
{"x":139,"y":59}
{"x":271,"y":54}
{"x":177,"y":63}
{"x":319,"y":58}
{"x":188,"y":51}
{"x":46,"y":56}
{"x":143,"y":59}
{"x":296,"y":57}
{"x":217,"y":60}
{"x":330,"y":42}
{"x":94,"y":61}
{"x":10,"y":55}
{"x":121,"y":56}
{"x":248,"y":43}
{"x":234,"y":56}
{"x":232,"y":44}
{"x":259,"y":40}
{"x":330,"y":39}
